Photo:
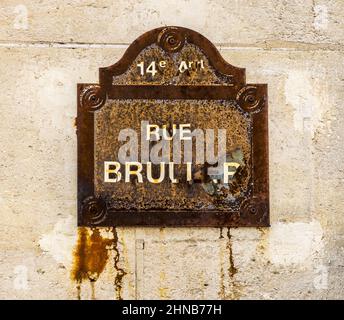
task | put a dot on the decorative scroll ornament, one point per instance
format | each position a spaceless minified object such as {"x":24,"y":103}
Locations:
{"x":92,"y":97}
{"x":254,"y":210}
{"x":94,"y":210}
{"x":171,"y":39}
{"x":248,"y":98}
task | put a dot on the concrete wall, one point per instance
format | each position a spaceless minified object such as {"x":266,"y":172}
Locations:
{"x":47,"y":47}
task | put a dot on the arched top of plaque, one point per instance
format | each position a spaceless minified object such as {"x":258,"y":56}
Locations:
{"x":171,"y":47}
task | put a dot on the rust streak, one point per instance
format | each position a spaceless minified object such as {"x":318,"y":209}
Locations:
{"x":93,"y":290}
{"x":221,"y":233}
{"x":232,"y":270}
{"x":222,"y":290}
{"x":120,"y":273}
{"x":236,"y":287}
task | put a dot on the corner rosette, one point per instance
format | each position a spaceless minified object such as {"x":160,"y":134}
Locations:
{"x":94,"y":210}
{"x":92,"y":97}
{"x":254,"y":210}
{"x":171,"y":39}
{"x":248,"y":98}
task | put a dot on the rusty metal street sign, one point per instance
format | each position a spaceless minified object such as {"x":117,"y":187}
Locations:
{"x":172,"y":136}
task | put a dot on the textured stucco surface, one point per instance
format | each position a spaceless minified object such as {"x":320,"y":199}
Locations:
{"x":294,"y":46}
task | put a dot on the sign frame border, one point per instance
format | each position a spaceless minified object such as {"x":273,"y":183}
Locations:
{"x":94,"y":211}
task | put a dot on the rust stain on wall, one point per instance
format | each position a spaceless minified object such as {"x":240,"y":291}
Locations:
{"x":232,"y":270}
{"x":222,"y":290}
{"x":221,"y":233}
{"x":90,"y":257}
{"x":235,"y":286}
{"x":262,"y":245}
{"x":120,"y":273}
{"x":163,"y":290}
